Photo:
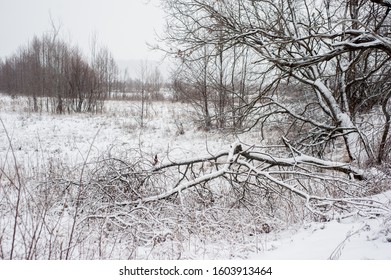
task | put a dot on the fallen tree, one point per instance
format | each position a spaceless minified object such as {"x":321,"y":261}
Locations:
{"x":327,"y":189}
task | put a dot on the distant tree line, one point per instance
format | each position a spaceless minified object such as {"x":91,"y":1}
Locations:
{"x":146,"y":84}
{"x":57,"y":77}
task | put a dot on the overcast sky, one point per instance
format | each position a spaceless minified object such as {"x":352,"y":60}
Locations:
{"x":124,"y":26}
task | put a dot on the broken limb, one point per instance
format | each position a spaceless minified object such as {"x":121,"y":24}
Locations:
{"x":253,"y":169}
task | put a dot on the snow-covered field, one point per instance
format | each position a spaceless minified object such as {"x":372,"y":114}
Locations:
{"x":69,"y":137}
{"x":42,"y":141}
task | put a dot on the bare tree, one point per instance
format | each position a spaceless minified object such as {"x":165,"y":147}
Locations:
{"x":319,"y":45}
{"x":192,"y":84}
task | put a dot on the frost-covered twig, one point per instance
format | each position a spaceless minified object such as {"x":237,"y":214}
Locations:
{"x":336,"y":254}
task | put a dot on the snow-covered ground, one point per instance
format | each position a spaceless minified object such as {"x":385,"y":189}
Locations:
{"x":40,"y":138}
{"x":69,"y":137}
{"x":354,"y":239}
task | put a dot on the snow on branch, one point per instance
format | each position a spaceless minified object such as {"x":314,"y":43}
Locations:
{"x":305,"y":160}
{"x":278,"y":174}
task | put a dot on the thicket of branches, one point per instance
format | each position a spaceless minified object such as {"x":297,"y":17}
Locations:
{"x":49,"y":67}
{"x":311,"y":76}
{"x":324,"y":65}
{"x":211,"y":207}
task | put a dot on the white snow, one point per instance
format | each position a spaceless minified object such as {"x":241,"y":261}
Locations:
{"x":39,"y":138}
{"x":351,"y":240}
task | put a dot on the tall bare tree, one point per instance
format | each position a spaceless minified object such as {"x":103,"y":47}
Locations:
{"x":332,"y":48}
